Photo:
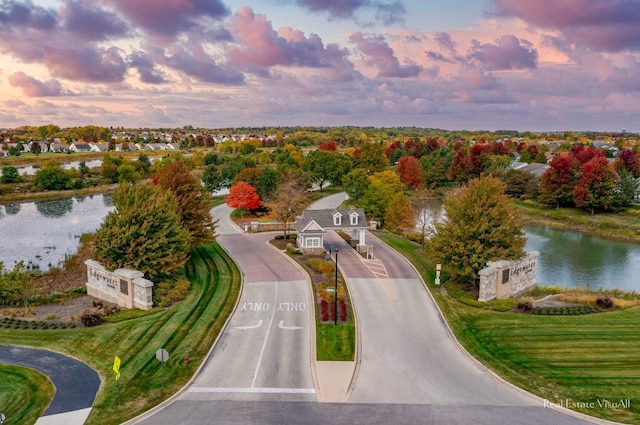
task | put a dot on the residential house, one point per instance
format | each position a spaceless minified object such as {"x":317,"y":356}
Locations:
{"x":79,"y":147}
{"x":312,"y":225}
{"x":99,"y":147}
{"x":58,"y":147}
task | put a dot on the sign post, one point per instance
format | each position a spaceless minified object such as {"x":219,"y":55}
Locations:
{"x":162,"y":355}
{"x":438,"y":268}
{"x":2,"y":418}
{"x":116,"y":369}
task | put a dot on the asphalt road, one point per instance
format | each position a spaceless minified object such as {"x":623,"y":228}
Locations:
{"x":76,"y":383}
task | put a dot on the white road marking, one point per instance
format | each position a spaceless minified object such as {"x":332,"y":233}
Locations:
{"x":253,"y":390}
{"x":289,"y":328}
{"x":266,"y":337}
{"x":250,"y":327}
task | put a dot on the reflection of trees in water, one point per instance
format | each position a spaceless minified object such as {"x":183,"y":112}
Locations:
{"x":106,"y":200}
{"x":55,"y":208}
{"x":81,"y":199}
{"x":12,"y":209}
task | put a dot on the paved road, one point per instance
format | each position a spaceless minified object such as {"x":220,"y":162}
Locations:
{"x":76,"y":383}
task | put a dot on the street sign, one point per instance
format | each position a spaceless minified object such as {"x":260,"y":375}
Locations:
{"x":116,"y":367}
{"x":331,"y":289}
{"x":2,"y":418}
{"x":162,"y":355}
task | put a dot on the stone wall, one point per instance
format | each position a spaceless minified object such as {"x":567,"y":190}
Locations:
{"x":504,"y":279}
{"x":124,"y":287}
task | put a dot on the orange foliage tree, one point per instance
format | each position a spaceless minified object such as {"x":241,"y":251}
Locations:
{"x":410,"y":172}
{"x":243,"y":195}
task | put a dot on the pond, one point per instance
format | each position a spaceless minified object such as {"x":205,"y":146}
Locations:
{"x":30,"y":170}
{"x":571,"y":258}
{"x":44,"y":233}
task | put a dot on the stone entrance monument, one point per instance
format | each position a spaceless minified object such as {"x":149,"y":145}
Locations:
{"x":124,"y":287}
{"x":504,"y":279}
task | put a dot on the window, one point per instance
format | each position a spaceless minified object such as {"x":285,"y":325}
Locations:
{"x":337,"y":219}
{"x":354,"y":219}
{"x":312,"y":243}
{"x":505,"y":276}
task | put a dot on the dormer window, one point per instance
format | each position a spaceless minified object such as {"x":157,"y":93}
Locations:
{"x":337,"y":219}
{"x":354,"y":219}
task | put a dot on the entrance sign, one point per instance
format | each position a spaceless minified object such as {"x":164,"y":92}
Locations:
{"x":162,"y":355}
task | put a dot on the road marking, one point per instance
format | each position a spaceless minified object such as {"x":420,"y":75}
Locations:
{"x":266,"y":337}
{"x":253,"y":390}
{"x":250,"y":327}
{"x":289,"y":328}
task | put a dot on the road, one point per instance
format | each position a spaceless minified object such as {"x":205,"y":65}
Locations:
{"x":411,"y":370}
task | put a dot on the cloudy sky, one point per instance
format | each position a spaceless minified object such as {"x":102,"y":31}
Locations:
{"x":465,"y":64}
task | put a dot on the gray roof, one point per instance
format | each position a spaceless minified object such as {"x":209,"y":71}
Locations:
{"x":324,"y":219}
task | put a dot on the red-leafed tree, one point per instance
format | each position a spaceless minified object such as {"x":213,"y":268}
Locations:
{"x":596,"y":188}
{"x":410,"y":172}
{"x":629,"y":159}
{"x":558,"y":182}
{"x":328,"y":146}
{"x":585,"y":154}
{"x":461,"y":168}
{"x":243,"y":195}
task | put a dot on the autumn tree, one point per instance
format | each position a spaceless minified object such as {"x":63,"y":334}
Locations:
{"x":328,"y":146}
{"x":244,"y":196}
{"x":481,"y":226}
{"x":382,"y":187}
{"x":410,"y":172}
{"x":291,"y":199}
{"x":399,"y":214}
{"x":35,"y":148}
{"x":629,"y":159}
{"x":558,"y":182}
{"x":193,"y":201}
{"x":596,"y":188}
{"x":371,"y":157}
{"x":143,"y":232}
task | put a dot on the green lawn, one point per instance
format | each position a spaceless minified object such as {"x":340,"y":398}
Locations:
{"x":335,"y":342}
{"x":188,"y":329}
{"x":594,"y":358}
{"x":24,"y":394}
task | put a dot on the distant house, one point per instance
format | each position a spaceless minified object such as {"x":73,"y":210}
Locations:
{"x":79,"y":147}
{"x":58,"y":147}
{"x":533,"y":168}
{"x":312,"y":225}
{"x":99,"y":147}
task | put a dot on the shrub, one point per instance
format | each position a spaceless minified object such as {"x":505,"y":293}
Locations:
{"x":171,"y":291}
{"x":320,"y":266}
{"x":604,"y":303}
{"x":525,"y":307}
{"x":91,"y":318}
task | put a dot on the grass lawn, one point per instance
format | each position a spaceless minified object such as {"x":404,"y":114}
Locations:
{"x":187,"y":329}
{"x":335,"y":342}
{"x":594,"y":358}
{"x":24,"y":394}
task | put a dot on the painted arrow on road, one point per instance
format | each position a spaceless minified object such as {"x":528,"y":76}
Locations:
{"x":250,"y":327}
{"x":289,"y":328}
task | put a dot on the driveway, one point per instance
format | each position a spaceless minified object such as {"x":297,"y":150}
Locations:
{"x":75,"y":382}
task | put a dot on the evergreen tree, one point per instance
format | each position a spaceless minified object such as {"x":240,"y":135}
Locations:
{"x":481,"y":226}
{"x":143,"y":233}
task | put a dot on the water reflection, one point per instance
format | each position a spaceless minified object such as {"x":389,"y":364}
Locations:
{"x":44,"y":232}
{"x":55,"y":208}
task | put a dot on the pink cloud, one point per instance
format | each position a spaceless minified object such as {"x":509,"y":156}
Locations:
{"x":92,"y":23}
{"x":508,"y":53}
{"x":32,"y":87}
{"x":385,"y":12}
{"x":610,"y":25}
{"x":379,"y":54}
{"x":169,"y":17}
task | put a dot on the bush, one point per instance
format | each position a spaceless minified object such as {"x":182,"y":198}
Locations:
{"x":91,"y":318}
{"x":604,"y":303}
{"x":320,"y":266}
{"x":170,"y":291}
{"x":525,"y":307}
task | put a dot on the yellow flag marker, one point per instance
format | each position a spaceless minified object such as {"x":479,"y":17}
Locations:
{"x":116,"y":367}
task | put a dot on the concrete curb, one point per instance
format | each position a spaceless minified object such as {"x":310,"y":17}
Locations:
{"x":485,"y":369}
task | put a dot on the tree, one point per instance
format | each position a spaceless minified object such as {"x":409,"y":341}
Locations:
{"x":35,"y":148}
{"x":410,"y":172}
{"x":193,"y":201}
{"x":596,"y":188}
{"x":291,"y":199}
{"x":558,"y":182}
{"x":382,"y":187}
{"x":326,"y":166}
{"x":371,"y":157}
{"x":328,"y":146}
{"x":399,"y":214}
{"x":10,"y":174}
{"x":212,"y":179}
{"x":52,"y":177}
{"x":626,"y":189}
{"x":243,"y":195}
{"x":127,"y":173}
{"x":481,"y":226}
{"x":629,"y":159}
{"x":355,"y":183}
{"x":17,"y":283}
{"x":143,"y":232}
{"x":267,"y":183}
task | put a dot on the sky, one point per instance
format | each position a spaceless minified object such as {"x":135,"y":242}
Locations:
{"x":544,"y":65}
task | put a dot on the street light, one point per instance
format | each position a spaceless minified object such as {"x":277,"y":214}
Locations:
{"x":335,"y":292}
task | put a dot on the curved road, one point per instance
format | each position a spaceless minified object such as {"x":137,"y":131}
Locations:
{"x":76,"y":383}
{"x":411,"y":371}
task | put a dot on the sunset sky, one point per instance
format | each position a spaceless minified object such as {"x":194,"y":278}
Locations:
{"x":466,"y":64}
